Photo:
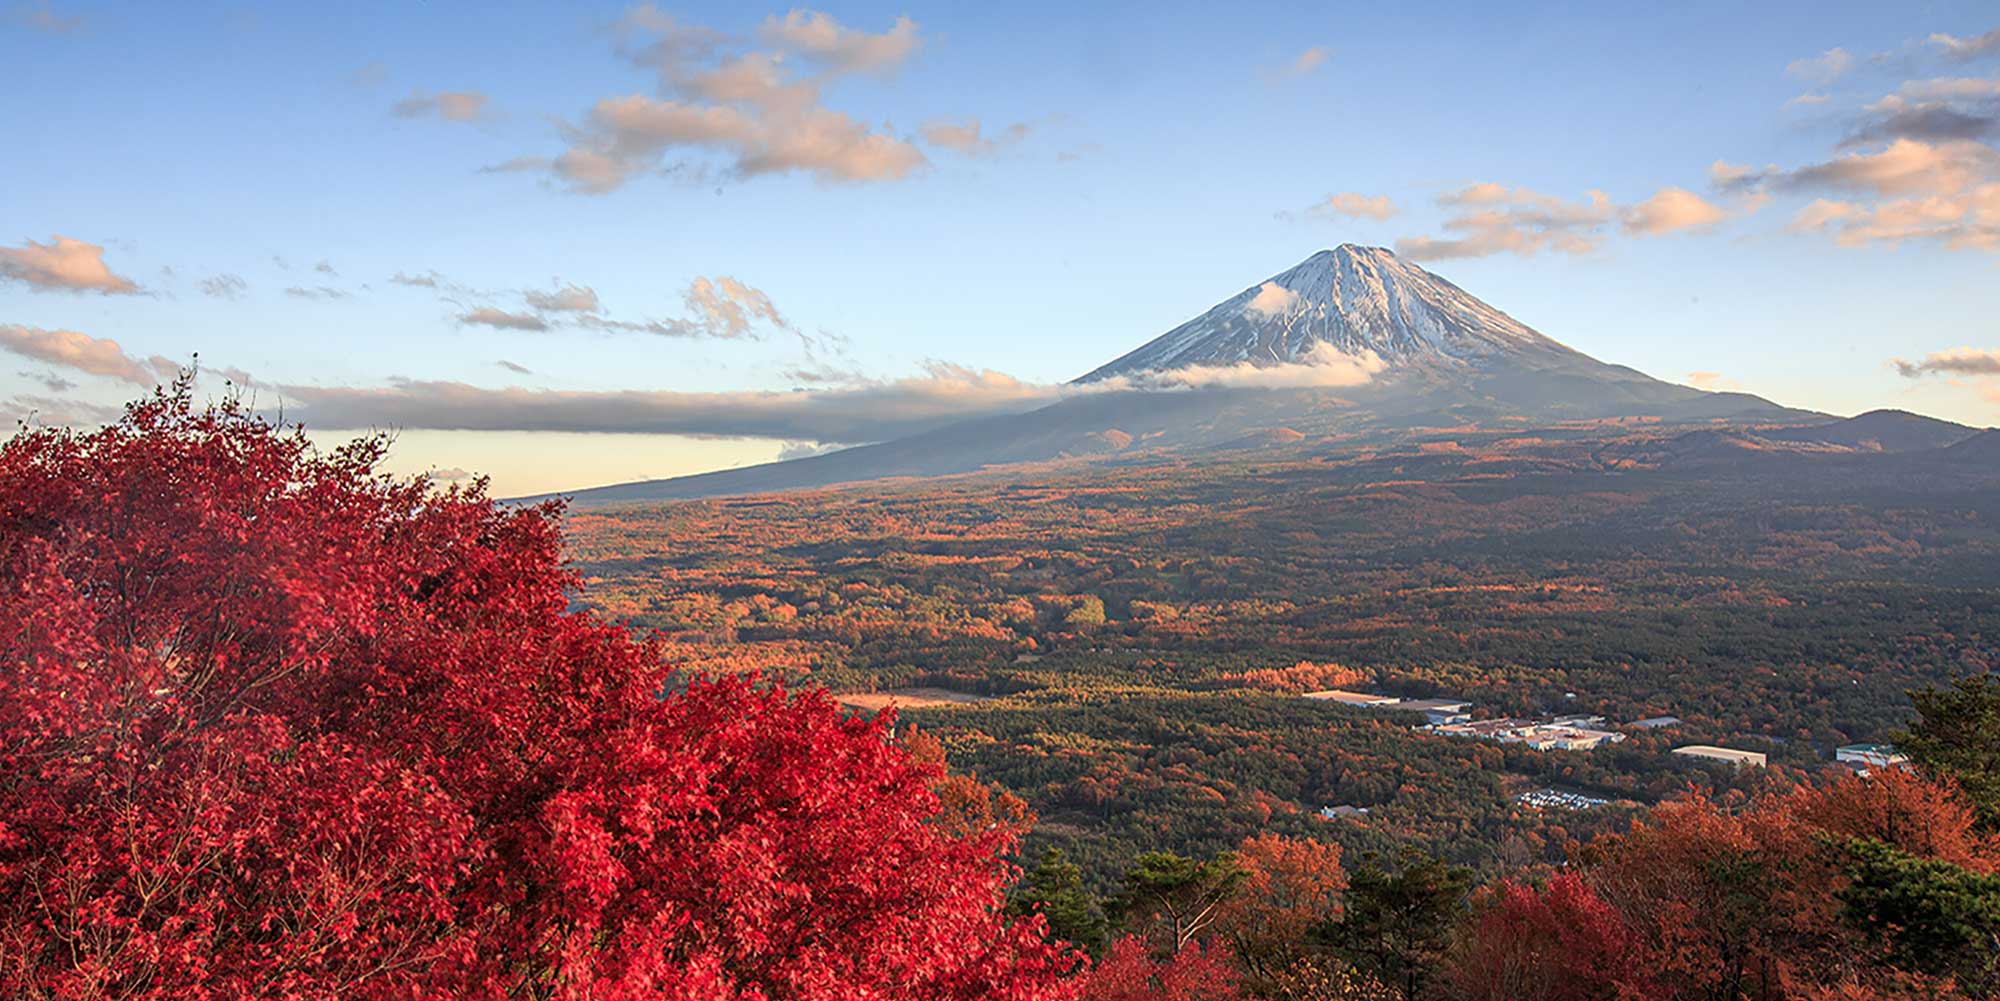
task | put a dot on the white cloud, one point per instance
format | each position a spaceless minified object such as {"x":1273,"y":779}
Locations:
{"x":1321,"y":367}
{"x":1904,"y":167}
{"x":1714,"y":382}
{"x":64,"y":265}
{"x":1670,"y":210}
{"x":817,"y":36}
{"x":754,"y":109}
{"x":1944,"y":192}
{"x":1272,"y":299}
{"x":807,"y":449}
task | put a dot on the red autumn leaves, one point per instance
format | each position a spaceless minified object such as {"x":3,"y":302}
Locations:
{"x":272,"y":725}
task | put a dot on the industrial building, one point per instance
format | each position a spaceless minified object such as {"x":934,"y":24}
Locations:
{"x":1363,"y":700}
{"x":1864,"y":758}
{"x":1726,"y":755}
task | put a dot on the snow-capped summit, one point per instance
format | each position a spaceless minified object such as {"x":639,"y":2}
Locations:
{"x":1351,"y":299}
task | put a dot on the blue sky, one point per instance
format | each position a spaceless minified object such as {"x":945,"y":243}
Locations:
{"x":1134,"y":165}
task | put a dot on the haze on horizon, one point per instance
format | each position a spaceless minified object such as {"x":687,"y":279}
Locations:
{"x":568,"y":246}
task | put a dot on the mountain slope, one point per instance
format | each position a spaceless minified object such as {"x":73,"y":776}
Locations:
{"x":1439,"y":357}
{"x":1983,"y":448}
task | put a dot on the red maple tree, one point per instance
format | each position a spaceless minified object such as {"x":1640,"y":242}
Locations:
{"x":1559,"y":942}
{"x":275,"y":725}
{"x":1130,"y":971}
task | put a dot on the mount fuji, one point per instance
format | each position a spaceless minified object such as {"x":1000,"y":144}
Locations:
{"x":1406,"y":349}
{"x":1354,"y":300}
{"x":1432,"y":344}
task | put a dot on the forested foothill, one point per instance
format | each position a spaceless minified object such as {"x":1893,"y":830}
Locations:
{"x":1137,"y":635}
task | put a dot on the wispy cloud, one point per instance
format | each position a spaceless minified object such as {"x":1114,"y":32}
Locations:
{"x":1824,"y":68}
{"x":1487,"y":219}
{"x":62,"y":265}
{"x":1491,"y":219}
{"x":966,"y":136}
{"x":450,"y":105}
{"x":1946,"y":192}
{"x":1955,"y":361}
{"x":41,"y":16}
{"x":1942,"y":109}
{"x":1302,"y":64}
{"x":320,"y":292}
{"x":720,"y":308}
{"x":49,"y":411}
{"x":50,"y":381}
{"x":564,"y":299}
{"x":1967,"y":48}
{"x":1917,"y":164}
{"x":500,"y":319}
{"x":224,"y":286}
{"x":1349,"y":205}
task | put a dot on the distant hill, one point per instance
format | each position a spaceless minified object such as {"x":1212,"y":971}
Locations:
{"x":1981,"y":447}
{"x":1882,"y":431}
{"x":1353,"y":342}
